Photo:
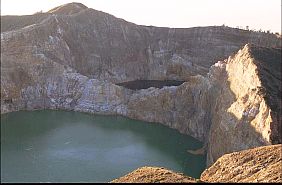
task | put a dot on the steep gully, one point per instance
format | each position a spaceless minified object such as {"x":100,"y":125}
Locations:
{"x":72,"y":59}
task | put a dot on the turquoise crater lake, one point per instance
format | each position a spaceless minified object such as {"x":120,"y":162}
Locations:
{"x":61,"y":146}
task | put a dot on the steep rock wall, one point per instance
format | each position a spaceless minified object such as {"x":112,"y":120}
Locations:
{"x":101,"y":46}
{"x":69,"y":90}
{"x":185,"y":107}
{"x":241,"y":116}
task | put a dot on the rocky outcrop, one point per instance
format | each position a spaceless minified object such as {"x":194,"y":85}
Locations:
{"x":185,"y":107}
{"x":154,"y":175}
{"x":262,"y":164}
{"x":72,"y":57}
{"x":247,"y":109}
{"x":69,"y":9}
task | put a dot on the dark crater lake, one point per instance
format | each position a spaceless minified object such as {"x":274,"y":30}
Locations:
{"x":145,"y":84}
{"x":61,"y":146}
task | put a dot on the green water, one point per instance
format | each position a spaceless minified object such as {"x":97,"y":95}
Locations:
{"x":60,"y":146}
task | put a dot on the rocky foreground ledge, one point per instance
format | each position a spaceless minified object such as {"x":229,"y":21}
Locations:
{"x":154,"y":175}
{"x":261,"y":164}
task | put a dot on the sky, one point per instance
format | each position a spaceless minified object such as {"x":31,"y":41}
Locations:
{"x":257,"y":14}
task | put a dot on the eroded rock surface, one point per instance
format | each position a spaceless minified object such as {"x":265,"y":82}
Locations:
{"x":101,"y":46}
{"x":247,"y":110}
{"x":154,"y":175}
{"x":261,"y":164}
{"x":185,"y":107}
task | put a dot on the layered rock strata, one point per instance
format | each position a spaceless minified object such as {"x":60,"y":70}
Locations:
{"x":101,"y":46}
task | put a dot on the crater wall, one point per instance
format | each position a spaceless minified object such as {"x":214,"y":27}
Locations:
{"x":72,"y":59}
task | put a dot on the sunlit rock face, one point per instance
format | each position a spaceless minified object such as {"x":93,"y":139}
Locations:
{"x":72,"y":58}
{"x":247,"y":112}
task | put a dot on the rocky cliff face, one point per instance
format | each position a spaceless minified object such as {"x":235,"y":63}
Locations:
{"x":247,"y":110}
{"x":72,"y":57}
{"x":76,"y":36}
{"x":185,"y":107}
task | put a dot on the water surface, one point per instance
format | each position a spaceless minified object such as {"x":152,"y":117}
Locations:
{"x":61,"y":146}
{"x":145,"y":84}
